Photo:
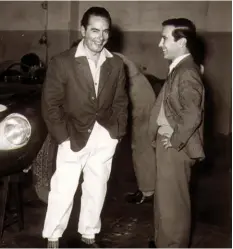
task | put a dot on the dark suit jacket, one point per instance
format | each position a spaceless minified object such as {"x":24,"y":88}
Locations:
{"x":183,"y":102}
{"x":69,"y":104}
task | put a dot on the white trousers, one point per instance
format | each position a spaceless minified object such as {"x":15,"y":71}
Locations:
{"x":95,"y":160}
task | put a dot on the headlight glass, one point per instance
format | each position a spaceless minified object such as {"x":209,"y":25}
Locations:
{"x":2,"y":108}
{"x":17,"y":129}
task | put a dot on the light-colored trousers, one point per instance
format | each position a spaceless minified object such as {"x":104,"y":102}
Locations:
{"x":95,"y":160}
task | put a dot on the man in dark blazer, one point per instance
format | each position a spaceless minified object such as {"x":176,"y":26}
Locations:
{"x":84,"y":104}
{"x":176,"y":130}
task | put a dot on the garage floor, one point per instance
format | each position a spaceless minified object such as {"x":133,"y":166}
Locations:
{"x":127,"y":225}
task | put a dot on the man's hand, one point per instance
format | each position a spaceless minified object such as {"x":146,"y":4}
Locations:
{"x":166,"y":142}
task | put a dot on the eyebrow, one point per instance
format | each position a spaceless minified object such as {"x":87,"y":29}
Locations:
{"x":99,"y":29}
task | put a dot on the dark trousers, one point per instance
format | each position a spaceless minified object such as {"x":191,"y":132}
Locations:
{"x":172,"y":211}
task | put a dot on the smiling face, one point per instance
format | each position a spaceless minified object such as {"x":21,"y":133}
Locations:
{"x":96,"y":34}
{"x":171,"y":48}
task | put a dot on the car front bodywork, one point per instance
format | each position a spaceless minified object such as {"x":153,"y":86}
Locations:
{"x":23,"y":101}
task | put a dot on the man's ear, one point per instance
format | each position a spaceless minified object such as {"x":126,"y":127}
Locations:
{"x":182,"y":42}
{"x":83,"y":31}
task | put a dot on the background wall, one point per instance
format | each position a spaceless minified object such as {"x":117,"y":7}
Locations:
{"x":23,"y":23}
{"x":138,"y":26}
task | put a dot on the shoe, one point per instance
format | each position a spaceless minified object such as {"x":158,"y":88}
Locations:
{"x":53,"y":244}
{"x":92,"y":245}
{"x":138,"y":197}
{"x":151,"y":244}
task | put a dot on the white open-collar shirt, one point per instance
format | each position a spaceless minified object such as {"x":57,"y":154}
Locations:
{"x":95,"y":69}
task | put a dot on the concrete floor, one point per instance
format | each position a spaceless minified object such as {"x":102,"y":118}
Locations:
{"x":126,"y":225}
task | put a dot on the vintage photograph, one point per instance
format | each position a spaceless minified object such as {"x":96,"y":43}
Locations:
{"x":115,"y":124}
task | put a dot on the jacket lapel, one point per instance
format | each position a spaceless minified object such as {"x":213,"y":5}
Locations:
{"x":105,"y":72}
{"x":83,"y":71}
{"x":170,"y":76}
{"x":168,"y":84}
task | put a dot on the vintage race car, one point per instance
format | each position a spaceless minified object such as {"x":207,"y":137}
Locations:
{"x":22,"y":130}
{"x":29,"y":70}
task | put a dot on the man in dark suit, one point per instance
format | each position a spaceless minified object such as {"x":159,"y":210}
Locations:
{"x":84,"y":104}
{"x":176,"y":129}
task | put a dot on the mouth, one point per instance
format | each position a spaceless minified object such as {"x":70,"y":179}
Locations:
{"x":164,"y":52}
{"x":99,"y":43}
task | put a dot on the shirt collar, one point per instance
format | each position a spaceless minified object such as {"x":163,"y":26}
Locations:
{"x":176,"y":61}
{"x":81,"y":51}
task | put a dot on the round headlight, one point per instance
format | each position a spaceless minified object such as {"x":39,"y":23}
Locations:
{"x":15,"y":132}
{"x":17,"y":129}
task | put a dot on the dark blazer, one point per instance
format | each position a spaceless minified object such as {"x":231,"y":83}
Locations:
{"x":183,"y":102}
{"x":69,"y":104}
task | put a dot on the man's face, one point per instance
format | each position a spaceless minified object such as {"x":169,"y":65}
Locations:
{"x":170,"y":47}
{"x":96,"y":33}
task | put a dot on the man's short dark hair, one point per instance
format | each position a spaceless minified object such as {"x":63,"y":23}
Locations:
{"x":184,"y":28}
{"x":95,"y":11}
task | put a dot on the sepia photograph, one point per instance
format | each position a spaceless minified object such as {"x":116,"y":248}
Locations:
{"x":116,"y":124}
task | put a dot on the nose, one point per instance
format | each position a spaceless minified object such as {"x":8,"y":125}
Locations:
{"x":101,"y":36}
{"x":160,"y":43}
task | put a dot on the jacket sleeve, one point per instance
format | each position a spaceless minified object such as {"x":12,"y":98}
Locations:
{"x":190,"y":93}
{"x":120,"y":103}
{"x":53,"y":99}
